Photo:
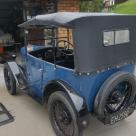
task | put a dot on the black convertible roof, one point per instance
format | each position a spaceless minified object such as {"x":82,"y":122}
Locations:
{"x":62,"y":18}
{"x":91,"y":55}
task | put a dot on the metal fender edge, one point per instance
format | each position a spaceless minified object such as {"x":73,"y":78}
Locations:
{"x":17,"y":73}
{"x":77,"y":100}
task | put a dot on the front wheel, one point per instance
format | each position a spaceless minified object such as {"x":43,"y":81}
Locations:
{"x":9,"y":80}
{"x":62,"y":115}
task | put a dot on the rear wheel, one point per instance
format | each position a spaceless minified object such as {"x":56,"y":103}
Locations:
{"x":119,"y":97}
{"x":62,"y":115}
{"x":117,"y":93}
{"x":9,"y":80}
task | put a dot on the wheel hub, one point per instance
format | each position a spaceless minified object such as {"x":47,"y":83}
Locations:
{"x":118,"y":98}
{"x":65,"y":118}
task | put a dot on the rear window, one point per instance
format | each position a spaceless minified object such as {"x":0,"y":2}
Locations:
{"x":116,"y":37}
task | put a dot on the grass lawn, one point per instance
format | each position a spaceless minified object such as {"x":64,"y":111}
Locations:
{"x":128,"y":7}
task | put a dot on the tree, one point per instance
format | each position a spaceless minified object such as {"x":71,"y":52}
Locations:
{"x":91,"y":5}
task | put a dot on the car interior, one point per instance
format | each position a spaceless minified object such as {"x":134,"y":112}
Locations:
{"x":62,"y":56}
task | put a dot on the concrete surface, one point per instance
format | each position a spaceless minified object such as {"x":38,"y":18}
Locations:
{"x":31,"y":119}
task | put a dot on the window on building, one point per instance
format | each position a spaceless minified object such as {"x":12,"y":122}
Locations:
{"x":36,"y":7}
{"x":49,"y":35}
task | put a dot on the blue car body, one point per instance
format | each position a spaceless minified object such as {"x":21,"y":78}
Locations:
{"x":40,"y":73}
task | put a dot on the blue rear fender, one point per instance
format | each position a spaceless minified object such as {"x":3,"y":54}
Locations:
{"x":90,"y":85}
{"x":84,"y":86}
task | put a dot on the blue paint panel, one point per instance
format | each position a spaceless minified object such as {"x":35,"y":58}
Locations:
{"x":87,"y":86}
{"x":41,"y":72}
{"x":35,"y":73}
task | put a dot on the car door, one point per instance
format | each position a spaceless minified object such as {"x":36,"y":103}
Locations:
{"x":35,"y":74}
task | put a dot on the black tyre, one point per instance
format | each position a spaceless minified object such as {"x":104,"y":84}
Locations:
{"x":9,"y":80}
{"x":62,"y":115}
{"x":117,"y":92}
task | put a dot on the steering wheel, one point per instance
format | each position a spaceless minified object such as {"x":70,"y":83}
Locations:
{"x":66,"y":50}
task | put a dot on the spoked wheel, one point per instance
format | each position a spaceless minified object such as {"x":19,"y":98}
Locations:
{"x":9,"y":81}
{"x":119,"y":97}
{"x":62,"y":115}
{"x":117,"y":93}
{"x":62,"y":118}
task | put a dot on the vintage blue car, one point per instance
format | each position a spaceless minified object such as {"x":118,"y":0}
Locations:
{"x":94,"y":73}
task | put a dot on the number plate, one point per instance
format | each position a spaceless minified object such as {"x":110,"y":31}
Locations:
{"x":121,"y":115}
